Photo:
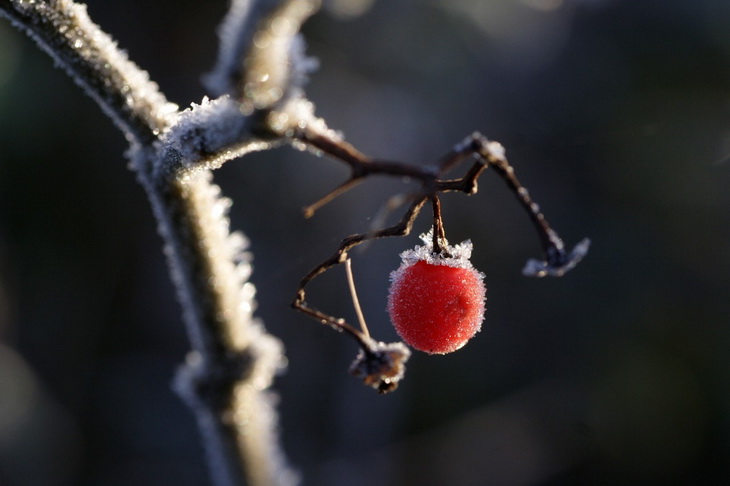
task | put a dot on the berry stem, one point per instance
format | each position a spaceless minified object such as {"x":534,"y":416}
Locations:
{"x":439,"y":233}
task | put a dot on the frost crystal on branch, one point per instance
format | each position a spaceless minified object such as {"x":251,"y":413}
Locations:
{"x":207,"y":135}
{"x":558,"y":266}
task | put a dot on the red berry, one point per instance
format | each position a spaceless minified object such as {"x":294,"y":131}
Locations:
{"x":437,"y":303}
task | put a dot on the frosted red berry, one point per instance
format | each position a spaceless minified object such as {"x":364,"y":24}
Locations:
{"x":437,"y":303}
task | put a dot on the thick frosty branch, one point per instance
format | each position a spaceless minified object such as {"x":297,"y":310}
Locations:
{"x":233,"y":360}
{"x":90,"y":56}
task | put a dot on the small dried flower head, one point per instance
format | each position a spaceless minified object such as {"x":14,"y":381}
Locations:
{"x":381,"y":365}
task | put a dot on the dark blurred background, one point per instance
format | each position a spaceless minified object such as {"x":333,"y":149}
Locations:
{"x":616,"y":116}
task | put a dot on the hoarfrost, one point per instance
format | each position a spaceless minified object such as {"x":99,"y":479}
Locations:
{"x":538,"y":268}
{"x":252,"y":414}
{"x":210,"y":133}
{"x":297,"y":114}
{"x":456,"y":256}
{"x":225,"y":254}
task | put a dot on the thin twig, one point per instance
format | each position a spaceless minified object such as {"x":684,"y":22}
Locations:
{"x":355,"y":300}
{"x":332,"y":195}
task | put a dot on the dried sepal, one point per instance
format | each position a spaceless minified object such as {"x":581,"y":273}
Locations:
{"x":381,"y":365}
